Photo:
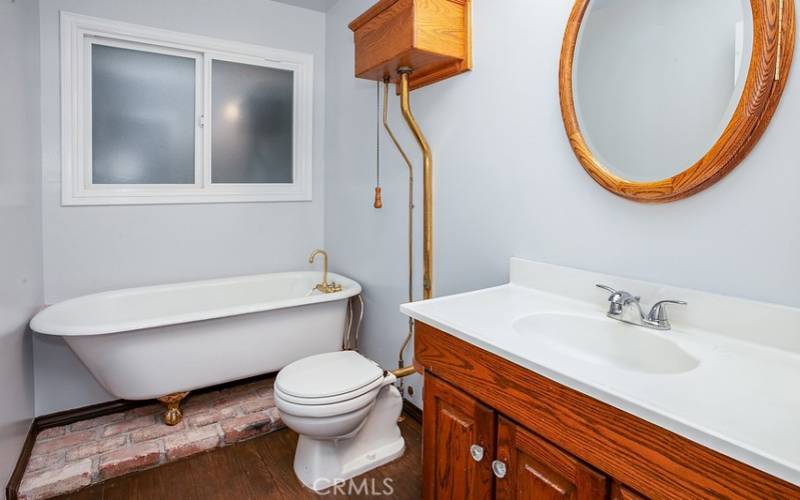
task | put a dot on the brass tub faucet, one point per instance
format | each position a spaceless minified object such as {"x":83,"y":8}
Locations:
{"x":324,"y":287}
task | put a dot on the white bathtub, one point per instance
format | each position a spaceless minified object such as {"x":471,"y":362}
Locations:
{"x":148,"y":342}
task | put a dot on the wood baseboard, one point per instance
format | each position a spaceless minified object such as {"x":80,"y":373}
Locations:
{"x":22,"y":462}
{"x":67,"y":417}
{"x":412,"y":410}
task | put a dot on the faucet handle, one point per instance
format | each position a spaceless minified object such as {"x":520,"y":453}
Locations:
{"x":606,"y":288}
{"x":657,"y":317}
{"x":615,"y":299}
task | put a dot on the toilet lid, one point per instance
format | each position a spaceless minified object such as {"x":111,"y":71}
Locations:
{"x":329,"y":374}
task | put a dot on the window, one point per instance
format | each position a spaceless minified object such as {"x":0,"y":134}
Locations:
{"x":152,"y":116}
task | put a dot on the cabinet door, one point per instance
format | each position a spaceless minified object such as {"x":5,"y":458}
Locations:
{"x":453,"y":423}
{"x":535,"y":469}
{"x":622,"y":492}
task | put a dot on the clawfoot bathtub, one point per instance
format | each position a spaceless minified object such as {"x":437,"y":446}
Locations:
{"x":164,"y":341}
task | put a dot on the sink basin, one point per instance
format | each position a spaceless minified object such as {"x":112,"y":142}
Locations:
{"x":606,"y":341}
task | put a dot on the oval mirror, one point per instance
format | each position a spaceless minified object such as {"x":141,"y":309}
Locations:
{"x":662,"y":98}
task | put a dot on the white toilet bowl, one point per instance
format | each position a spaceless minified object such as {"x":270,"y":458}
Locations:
{"x":344,"y":408}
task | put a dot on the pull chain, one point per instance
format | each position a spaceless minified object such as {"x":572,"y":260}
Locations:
{"x":378,"y":200}
{"x":780,"y":42}
{"x":401,"y":357}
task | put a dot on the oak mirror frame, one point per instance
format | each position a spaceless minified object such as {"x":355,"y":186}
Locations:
{"x":773,"y":39}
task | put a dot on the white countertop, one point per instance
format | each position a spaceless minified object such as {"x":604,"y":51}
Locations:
{"x":742,"y":399}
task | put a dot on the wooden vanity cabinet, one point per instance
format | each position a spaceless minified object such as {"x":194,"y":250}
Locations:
{"x":460,"y":447}
{"x":552,"y":442}
{"x":456,"y":426}
{"x":622,"y":492}
{"x":537,"y":470}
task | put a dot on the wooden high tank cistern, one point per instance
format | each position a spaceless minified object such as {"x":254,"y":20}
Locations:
{"x":414,"y":43}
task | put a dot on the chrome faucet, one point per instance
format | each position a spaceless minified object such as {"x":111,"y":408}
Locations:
{"x":621,"y":303}
{"x":324,"y":287}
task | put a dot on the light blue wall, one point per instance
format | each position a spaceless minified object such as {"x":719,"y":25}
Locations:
{"x":508,"y":184}
{"x":88,"y":249}
{"x":20,"y":221}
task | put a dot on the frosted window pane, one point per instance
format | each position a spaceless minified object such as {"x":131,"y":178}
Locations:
{"x":143,"y":117}
{"x":251,"y":135}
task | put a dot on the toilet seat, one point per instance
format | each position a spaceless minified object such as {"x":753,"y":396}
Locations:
{"x":342,"y":379}
{"x":338,"y":398}
{"x":326,"y":410}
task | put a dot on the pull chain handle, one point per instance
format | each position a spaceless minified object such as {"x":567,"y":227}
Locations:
{"x":378,"y":203}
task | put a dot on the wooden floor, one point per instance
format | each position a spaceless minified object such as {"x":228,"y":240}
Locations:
{"x":260,"y":469}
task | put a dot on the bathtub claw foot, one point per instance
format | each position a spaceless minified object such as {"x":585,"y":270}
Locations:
{"x":173,"y":415}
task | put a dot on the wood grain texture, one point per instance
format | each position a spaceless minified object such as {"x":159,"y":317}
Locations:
{"x":651,"y":460}
{"x":760,"y":98}
{"x":537,"y":470}
{"x":621,"y":492}
{"x":453,"y":423}
{"x":433,"y":37}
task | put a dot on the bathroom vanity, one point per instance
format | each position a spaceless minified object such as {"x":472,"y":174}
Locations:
{"x":532,"y":392}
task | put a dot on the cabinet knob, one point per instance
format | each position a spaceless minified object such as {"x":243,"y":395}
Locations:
{"x":499,"y":469}
{"x":477,"y":452}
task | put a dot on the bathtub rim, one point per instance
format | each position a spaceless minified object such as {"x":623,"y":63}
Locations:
{"x":41,"y":323}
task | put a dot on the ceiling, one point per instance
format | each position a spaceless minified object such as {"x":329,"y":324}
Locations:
{"x":319,"y":5}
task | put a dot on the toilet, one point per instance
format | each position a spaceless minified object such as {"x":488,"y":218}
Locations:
{"x":344,"y":407}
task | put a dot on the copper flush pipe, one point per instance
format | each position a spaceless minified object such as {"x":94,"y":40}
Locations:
{"x":427,"y":184}
{"x":427,"y":204}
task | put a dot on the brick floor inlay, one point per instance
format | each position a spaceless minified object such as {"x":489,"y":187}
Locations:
{"x":67,"y":458}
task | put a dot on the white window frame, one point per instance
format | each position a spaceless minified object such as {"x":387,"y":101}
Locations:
{"x":79,"y":32}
